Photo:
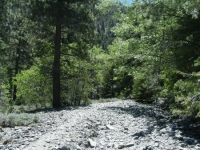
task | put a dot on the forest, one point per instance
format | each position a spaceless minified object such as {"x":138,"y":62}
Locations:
{"x":57,"y":53}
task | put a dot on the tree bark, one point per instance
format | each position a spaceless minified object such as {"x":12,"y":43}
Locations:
{"x":16,"y":71}
{"x":10,"y":83}
{"x":56,"y":63}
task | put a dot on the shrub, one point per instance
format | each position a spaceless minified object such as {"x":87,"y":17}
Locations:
{"x":34,"y":88}
{"x":146,"y":86}
{"x":187,"y":98}
{"x":22,"y":119}
{"x":4,"y":98}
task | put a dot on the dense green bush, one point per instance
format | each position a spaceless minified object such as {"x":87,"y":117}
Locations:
{"x":4,"y":98}
{"x":182,"y":93}
{"x":34,"y":89}
{"x":187,"y":97}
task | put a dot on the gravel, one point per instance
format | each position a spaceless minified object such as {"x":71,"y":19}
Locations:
{"x":123,"y":124}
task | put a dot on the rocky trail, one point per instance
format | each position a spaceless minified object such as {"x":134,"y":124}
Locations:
{"x":124,"y":125}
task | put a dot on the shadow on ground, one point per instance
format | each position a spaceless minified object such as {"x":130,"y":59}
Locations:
{"x":46,"y":110}
{"x":159,"y":120}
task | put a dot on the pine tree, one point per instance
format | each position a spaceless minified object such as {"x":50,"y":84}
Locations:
{"x":69,"y":16}
{"x":17,"y":54}
{"x":106,"y":20}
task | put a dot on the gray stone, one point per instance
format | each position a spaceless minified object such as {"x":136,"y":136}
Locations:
{"x":197,"y":146}
{"x":86,"y":143}
{"x":110,"y":145}
{"x":179,"y":137}
{"x":92,"y":143}
{"x":48,"y":141}
{"x":64,"y":148}
{"x":129,"y":145}
{"x":102,"y":127}
{"x":171,"y":133}
{"x":125,"y":128}
{"x":139,"y":134}
{"x":6,"y":140}
{"x":189,"y":141}
{"x":110,"y":127}
{"x":183,"y":145}
{"x":121,"y":146}
{"x":1,"y":146}
{"x":78,"y":148}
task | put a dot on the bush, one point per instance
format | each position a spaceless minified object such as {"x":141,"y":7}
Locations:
{"x":4,"y":98}
{"x":146,"y":86}
{"x":23,"y":119}
{"x":77,"y":92}
{"x":186,"y":92}
{"x":34,"y":88}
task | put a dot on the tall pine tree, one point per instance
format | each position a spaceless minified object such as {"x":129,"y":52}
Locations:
{"x":68,"y":18}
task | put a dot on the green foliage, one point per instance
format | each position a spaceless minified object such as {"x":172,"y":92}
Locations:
{"x":79,"y":80}
{"x":144,"y":51}
{"x":142,"y":88}
{"x":187,"y":96}
{"x":156,"y":51}
{"x":196,"y":109}
{"x":5,"y":96}
{"x":16,"y":52}
{"x":33,"y":88}
{"x":105,"y":20}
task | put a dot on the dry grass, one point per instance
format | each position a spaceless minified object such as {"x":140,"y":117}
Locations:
{"x":22,"y":119}
{"x":105,"y":100}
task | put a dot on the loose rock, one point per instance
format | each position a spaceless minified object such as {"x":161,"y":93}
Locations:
{"x":92,"y":143}
{"x":124,"y":125}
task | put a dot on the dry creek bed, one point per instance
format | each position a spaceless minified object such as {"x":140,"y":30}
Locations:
{"x":123,"y":124}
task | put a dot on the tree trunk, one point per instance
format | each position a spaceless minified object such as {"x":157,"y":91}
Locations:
{"x":16,"y":71}
{"x":56,"y":63}
{"x":10,"y":83}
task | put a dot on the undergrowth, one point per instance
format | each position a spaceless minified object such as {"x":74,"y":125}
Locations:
{"x":104,"y":100}
{"x":13,"y":119}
